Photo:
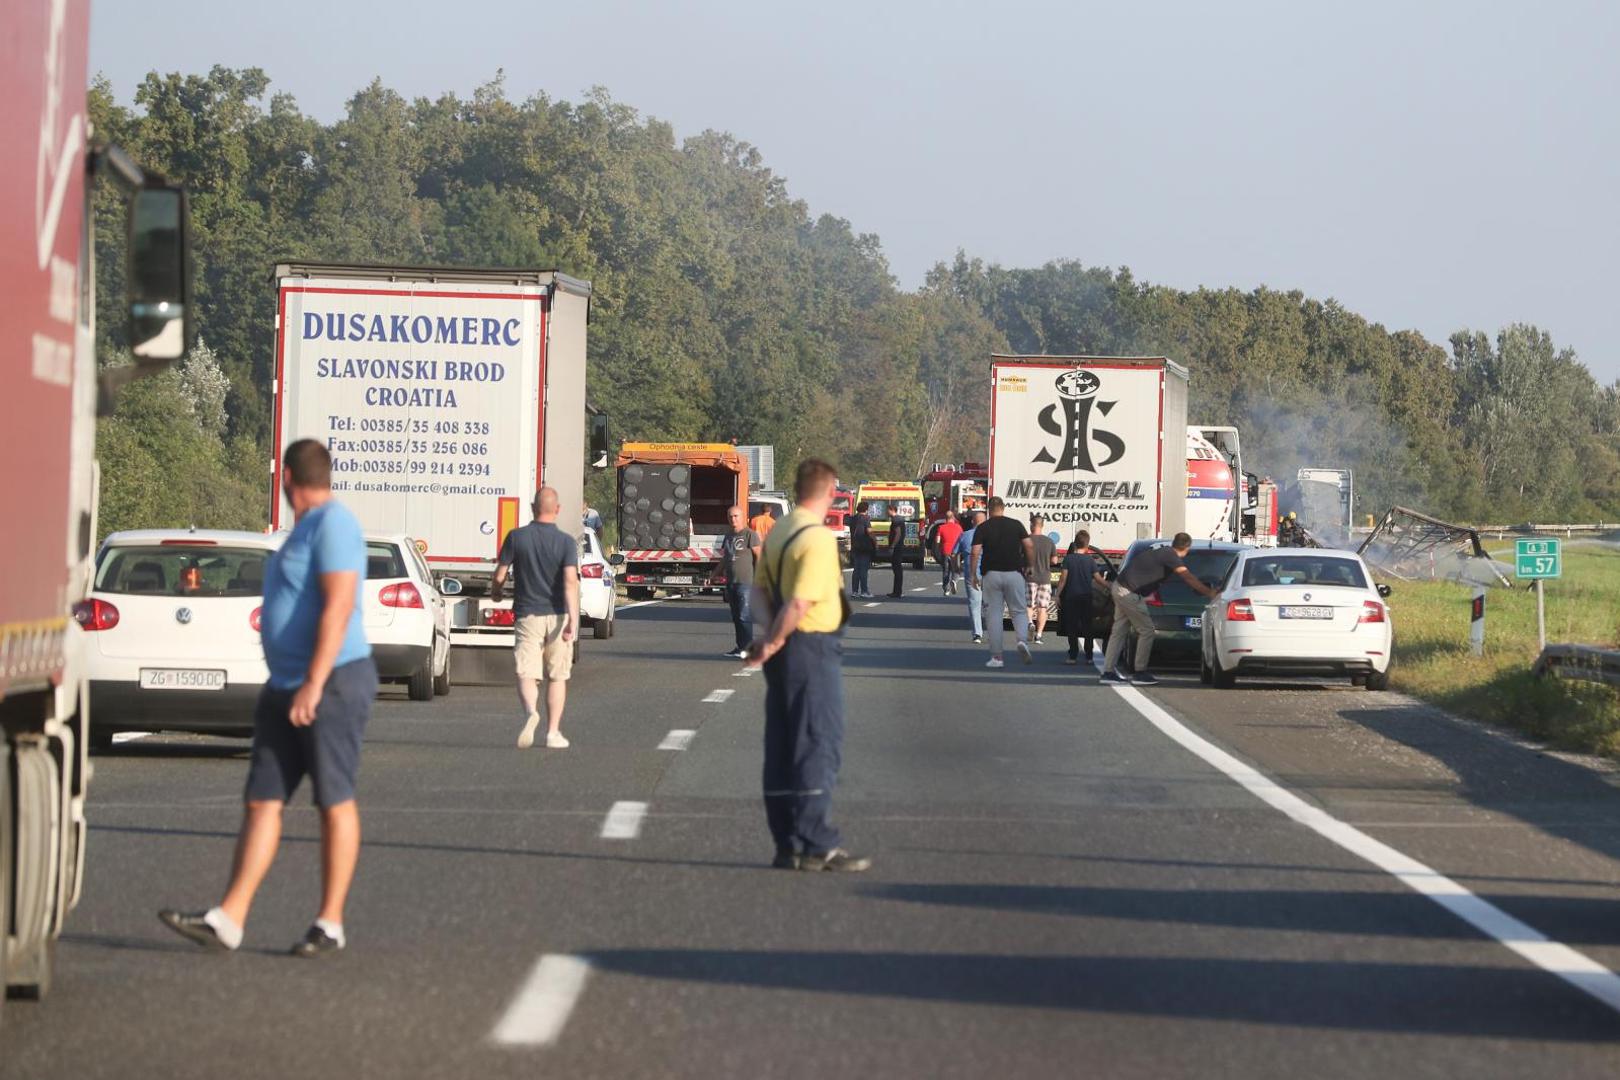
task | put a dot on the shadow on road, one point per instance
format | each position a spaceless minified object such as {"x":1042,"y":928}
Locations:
{"x":1488,"y":1002}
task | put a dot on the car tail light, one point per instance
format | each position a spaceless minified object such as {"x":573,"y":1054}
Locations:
{"x":591,"y":570}
{"x":500,"y":617}
{"x":401,"y":594}
{"x":95,"y":614}
{"x":1371,"y":611}
{"x":1154,"y":600}
{"x":1239,"y":611}
{"x":256,"y":620}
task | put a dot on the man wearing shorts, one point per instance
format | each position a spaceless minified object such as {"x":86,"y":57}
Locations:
{"x":1040,"y":577}
{"x":546,"y":609}
{"x":312,"y":712}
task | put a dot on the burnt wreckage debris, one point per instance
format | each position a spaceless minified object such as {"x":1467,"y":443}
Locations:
{"x":1408,"y":545}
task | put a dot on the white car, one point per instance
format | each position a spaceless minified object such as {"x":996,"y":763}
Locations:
{"x":1298,"y":611}
{"x":597,"y":601}
{"x":407,"y":619}
{"x":172,"y":621}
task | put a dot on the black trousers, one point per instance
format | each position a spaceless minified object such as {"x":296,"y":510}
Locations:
{"x":1077,"y":614}
{"x":804,"y":738}
{"x":899,"y":569}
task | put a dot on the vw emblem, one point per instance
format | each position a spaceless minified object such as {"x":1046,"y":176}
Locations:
{"x":182,"y":615}
{"x":1307,"y":596}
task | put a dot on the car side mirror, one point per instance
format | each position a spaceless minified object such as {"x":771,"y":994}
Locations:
{"x":159,"y":275}
{"x":616,"y":559}
{"x":1384,"y":591}
{"x":450,"y":586}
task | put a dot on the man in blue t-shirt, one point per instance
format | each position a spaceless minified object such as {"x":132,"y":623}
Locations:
{"x":312,"y":712}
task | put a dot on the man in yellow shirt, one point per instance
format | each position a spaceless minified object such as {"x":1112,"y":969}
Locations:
{"x":799,"y":585}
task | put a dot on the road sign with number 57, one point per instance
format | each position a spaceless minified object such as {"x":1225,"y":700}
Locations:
{"x":1538,"y":558}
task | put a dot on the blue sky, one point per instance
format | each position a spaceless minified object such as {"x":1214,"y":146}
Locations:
{"x":1431,"y":165}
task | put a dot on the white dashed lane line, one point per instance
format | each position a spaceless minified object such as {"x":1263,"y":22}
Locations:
{"x":874,"y":603}
{"x":920,"y":588}
{"x":624,"y":821}
{"x":540,"y":1011}
{"x":744,"y":673}
{"x":715,"y":697}
{"x":129,"y":736}
{"x":679,"y":739}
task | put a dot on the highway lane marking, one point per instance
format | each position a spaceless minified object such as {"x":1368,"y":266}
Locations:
{"x":624,"y":821}
{"x":1574,"y":967}
{"x":920,"y":588}
{"x":744,"y":673}
{"x":678,"y":739}
{"x":638,"y":603}
{"x":130,"y":736}
{"x":874,"y":603}
{"x":540,"y":1011}
{"x":715,"y":697}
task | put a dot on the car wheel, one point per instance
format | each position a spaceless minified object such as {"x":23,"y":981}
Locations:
{"x":441,"y":683}
{"x":1224,"y":680}
{"x":1378,"y":680}
{"x":601,"y":629}
{"x":420,"y":687}
{"x":1205,"y":675}
{"x":100,"y":741}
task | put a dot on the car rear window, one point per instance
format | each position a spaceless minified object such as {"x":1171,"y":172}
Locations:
{"x":384,"y":561}
{"x":880,"y":509}
{"x":1323,"y":570}
{"x":1207,"y":565}
{"x":176,"y":570}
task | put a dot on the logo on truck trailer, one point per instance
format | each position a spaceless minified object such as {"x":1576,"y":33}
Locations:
{"x":1077,"y":398}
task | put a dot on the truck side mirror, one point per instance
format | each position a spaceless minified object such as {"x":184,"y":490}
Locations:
{"x":616,"y":559}
{"x":599,"y":441}
{"x":159,"y":275}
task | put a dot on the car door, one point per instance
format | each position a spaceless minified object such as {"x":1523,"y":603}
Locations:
{"x":436,"y":601}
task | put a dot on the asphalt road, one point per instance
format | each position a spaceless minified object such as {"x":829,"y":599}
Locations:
{"x":1060,"y":887}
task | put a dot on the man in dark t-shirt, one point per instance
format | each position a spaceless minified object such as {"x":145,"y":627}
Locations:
{"x":1140,"y":578}
{"x":1002,"y":555}
{"x":739,"y":551}
{"x":545,"y":613}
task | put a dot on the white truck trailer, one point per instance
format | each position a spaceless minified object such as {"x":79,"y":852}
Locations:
{"x":446,"y":398}
{"x":1082,"y":441}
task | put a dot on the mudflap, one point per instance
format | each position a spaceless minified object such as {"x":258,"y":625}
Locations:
{"x":483,"y":665}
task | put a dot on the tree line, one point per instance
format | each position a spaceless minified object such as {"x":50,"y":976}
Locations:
{"x":725,"y":309}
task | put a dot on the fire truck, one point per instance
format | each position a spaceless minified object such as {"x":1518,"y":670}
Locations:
{"x":960,"y":488}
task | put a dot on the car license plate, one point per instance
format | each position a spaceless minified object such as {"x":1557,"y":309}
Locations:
{"x":1193,"y":622}
{"x":679,"y":579}
{"x":181,"y":679}
{"x":1296,"y":612}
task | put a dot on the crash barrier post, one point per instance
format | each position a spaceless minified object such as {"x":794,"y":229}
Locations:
{"x":1584,"y":662}
{"x":1476,"y":623}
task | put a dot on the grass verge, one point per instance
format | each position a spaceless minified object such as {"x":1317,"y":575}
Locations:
{"x":1433,"y":661}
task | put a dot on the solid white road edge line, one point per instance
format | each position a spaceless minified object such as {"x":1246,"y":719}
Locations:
{"x":715,"y":697}
{"x":678,"y":739}
{"x":541,"y":1008}
{"x":1555,"y":958}
{"x":624,"y":821}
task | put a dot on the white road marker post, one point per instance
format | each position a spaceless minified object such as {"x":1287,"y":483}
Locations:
{"x":1476,"y":625}
{"x":1541,"y":617}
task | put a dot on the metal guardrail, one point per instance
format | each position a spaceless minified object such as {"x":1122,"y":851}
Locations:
{"x":1502,"y":532}
{"x":1584,"y":662}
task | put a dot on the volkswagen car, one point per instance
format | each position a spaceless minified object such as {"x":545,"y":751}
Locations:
{"x":173,"y":625}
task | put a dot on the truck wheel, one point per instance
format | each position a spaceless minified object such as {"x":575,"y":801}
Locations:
{"x":602,"y":629}
{"x":638,"y":592}
{"x":38,"y":802}
{"x":441,"y":683}
{"x":421,"y":685}
{"x":5,"y":868}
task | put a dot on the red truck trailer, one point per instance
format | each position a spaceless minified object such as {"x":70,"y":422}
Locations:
{"x":48,"y":401}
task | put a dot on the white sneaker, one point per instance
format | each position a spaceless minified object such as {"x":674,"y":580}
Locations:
{"x":994,"y":661}
{"x":1039,"y":640}
{"x":555,"y":741}
{"x":526,"y":736}
{"x":1023,"y":650}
